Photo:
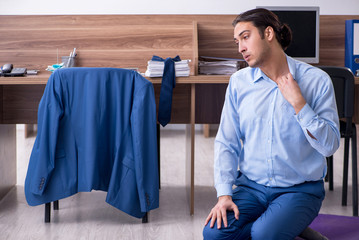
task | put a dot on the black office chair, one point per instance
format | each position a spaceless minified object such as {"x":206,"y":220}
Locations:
{"x":343,"y":82}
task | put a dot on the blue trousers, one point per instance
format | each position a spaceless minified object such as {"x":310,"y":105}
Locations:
{"x":269,"y":213}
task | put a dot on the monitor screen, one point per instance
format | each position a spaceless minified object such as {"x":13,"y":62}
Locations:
{"x":304,"y":22}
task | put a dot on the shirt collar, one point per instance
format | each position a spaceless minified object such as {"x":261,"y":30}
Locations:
{"x":292,"y":66}
{"x":258,"y":74}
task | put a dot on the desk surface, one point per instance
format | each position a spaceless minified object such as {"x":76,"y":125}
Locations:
{"x":20,"y":97}
{"x":43,"y":76}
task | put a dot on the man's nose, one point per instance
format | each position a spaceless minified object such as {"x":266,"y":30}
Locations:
{"x":241,"y":48}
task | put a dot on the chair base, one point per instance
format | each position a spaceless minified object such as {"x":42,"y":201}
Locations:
{"x":48,"y":210}
{"x":56,"y":208}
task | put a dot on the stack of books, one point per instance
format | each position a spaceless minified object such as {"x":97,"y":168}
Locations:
{"x":155,"y":68}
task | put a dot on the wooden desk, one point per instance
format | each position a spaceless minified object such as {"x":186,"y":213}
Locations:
{"x":20,"y":97}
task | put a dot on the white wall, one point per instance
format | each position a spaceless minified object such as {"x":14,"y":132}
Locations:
{"x":19,"y":7}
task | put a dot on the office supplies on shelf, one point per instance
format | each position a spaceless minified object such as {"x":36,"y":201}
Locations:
{"x":53,"y":67}
{"x":6,"y":68}
{"x":16,"y":72}
{"x":222,"y":58}
{"x":155,"y":68}
{"x":70,"y":61}
{"x":9,"y":71}
{"x":66,"y":61}
{"x":74,"y":53}
{"x":32,"y":72}
{"x":352,"y":45}
{"x":219,"y":66}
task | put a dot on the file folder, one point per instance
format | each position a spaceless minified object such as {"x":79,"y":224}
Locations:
{"x":352,"y":45}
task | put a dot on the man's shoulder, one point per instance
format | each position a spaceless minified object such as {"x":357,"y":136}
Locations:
{"x":310,"y":72}
{"x":246,"y":73}
{"x":306,"y":68}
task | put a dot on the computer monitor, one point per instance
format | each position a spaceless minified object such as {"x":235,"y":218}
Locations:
{"x":304,"y":22}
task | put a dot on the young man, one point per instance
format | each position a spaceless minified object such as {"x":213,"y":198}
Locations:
{"x":278,"y":123}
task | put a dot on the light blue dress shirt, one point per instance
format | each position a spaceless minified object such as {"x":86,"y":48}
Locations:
{"x":261,"y":136}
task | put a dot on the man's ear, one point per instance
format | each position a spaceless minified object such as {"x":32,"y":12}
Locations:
{"x":269,"y":33}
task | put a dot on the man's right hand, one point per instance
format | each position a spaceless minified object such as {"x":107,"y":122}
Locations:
{"x":219,"y":211}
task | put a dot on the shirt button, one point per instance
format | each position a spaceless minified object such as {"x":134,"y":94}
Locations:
{"x":268,"y":141}
{"x":271,"y":179}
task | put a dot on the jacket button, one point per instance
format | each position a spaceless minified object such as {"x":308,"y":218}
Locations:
{"x":42,"y":182}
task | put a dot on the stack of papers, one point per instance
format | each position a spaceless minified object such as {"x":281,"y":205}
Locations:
{"x":155,"y":68}
{"x":218,"y":67}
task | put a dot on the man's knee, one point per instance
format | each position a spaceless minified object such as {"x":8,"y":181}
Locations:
{"x":215,"y":233}
{"x":209,"y":233}
{"x":232,"y":232}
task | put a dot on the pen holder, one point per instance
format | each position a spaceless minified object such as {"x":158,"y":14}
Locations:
{"x":68,"y":61}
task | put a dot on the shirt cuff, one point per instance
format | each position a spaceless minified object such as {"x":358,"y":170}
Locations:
{"x":224,"y":189}
{"x":305,"y":115}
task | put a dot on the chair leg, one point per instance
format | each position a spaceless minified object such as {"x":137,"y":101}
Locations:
{"x":47,"y":212}
{"x":56,"y":205}
{"x":329,"y":177}
{"x":345,"y":171}
{"x":326,"y":178}
{"x":145,"y":218}
{"x":354,"y":173}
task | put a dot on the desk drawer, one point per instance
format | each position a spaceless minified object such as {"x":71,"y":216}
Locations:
{"x":20,"y":103}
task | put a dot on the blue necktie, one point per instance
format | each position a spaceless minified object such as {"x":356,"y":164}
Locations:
{"x":168,"y":83}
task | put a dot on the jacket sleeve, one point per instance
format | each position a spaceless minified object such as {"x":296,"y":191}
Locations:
{"x":42,"y":160}
{"x":143,"y":127}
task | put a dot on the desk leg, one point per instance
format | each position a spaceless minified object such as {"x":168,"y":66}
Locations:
{"x":7,"y":158}
{"x":206,"y":129}
{"x":190,"y":152}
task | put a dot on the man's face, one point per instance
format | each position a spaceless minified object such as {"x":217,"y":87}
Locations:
{"x":251,"y":45}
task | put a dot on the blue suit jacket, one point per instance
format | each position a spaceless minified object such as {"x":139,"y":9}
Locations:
{"x":96,"y":130}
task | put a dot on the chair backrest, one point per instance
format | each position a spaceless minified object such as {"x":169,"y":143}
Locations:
{"x":343,"y":82}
